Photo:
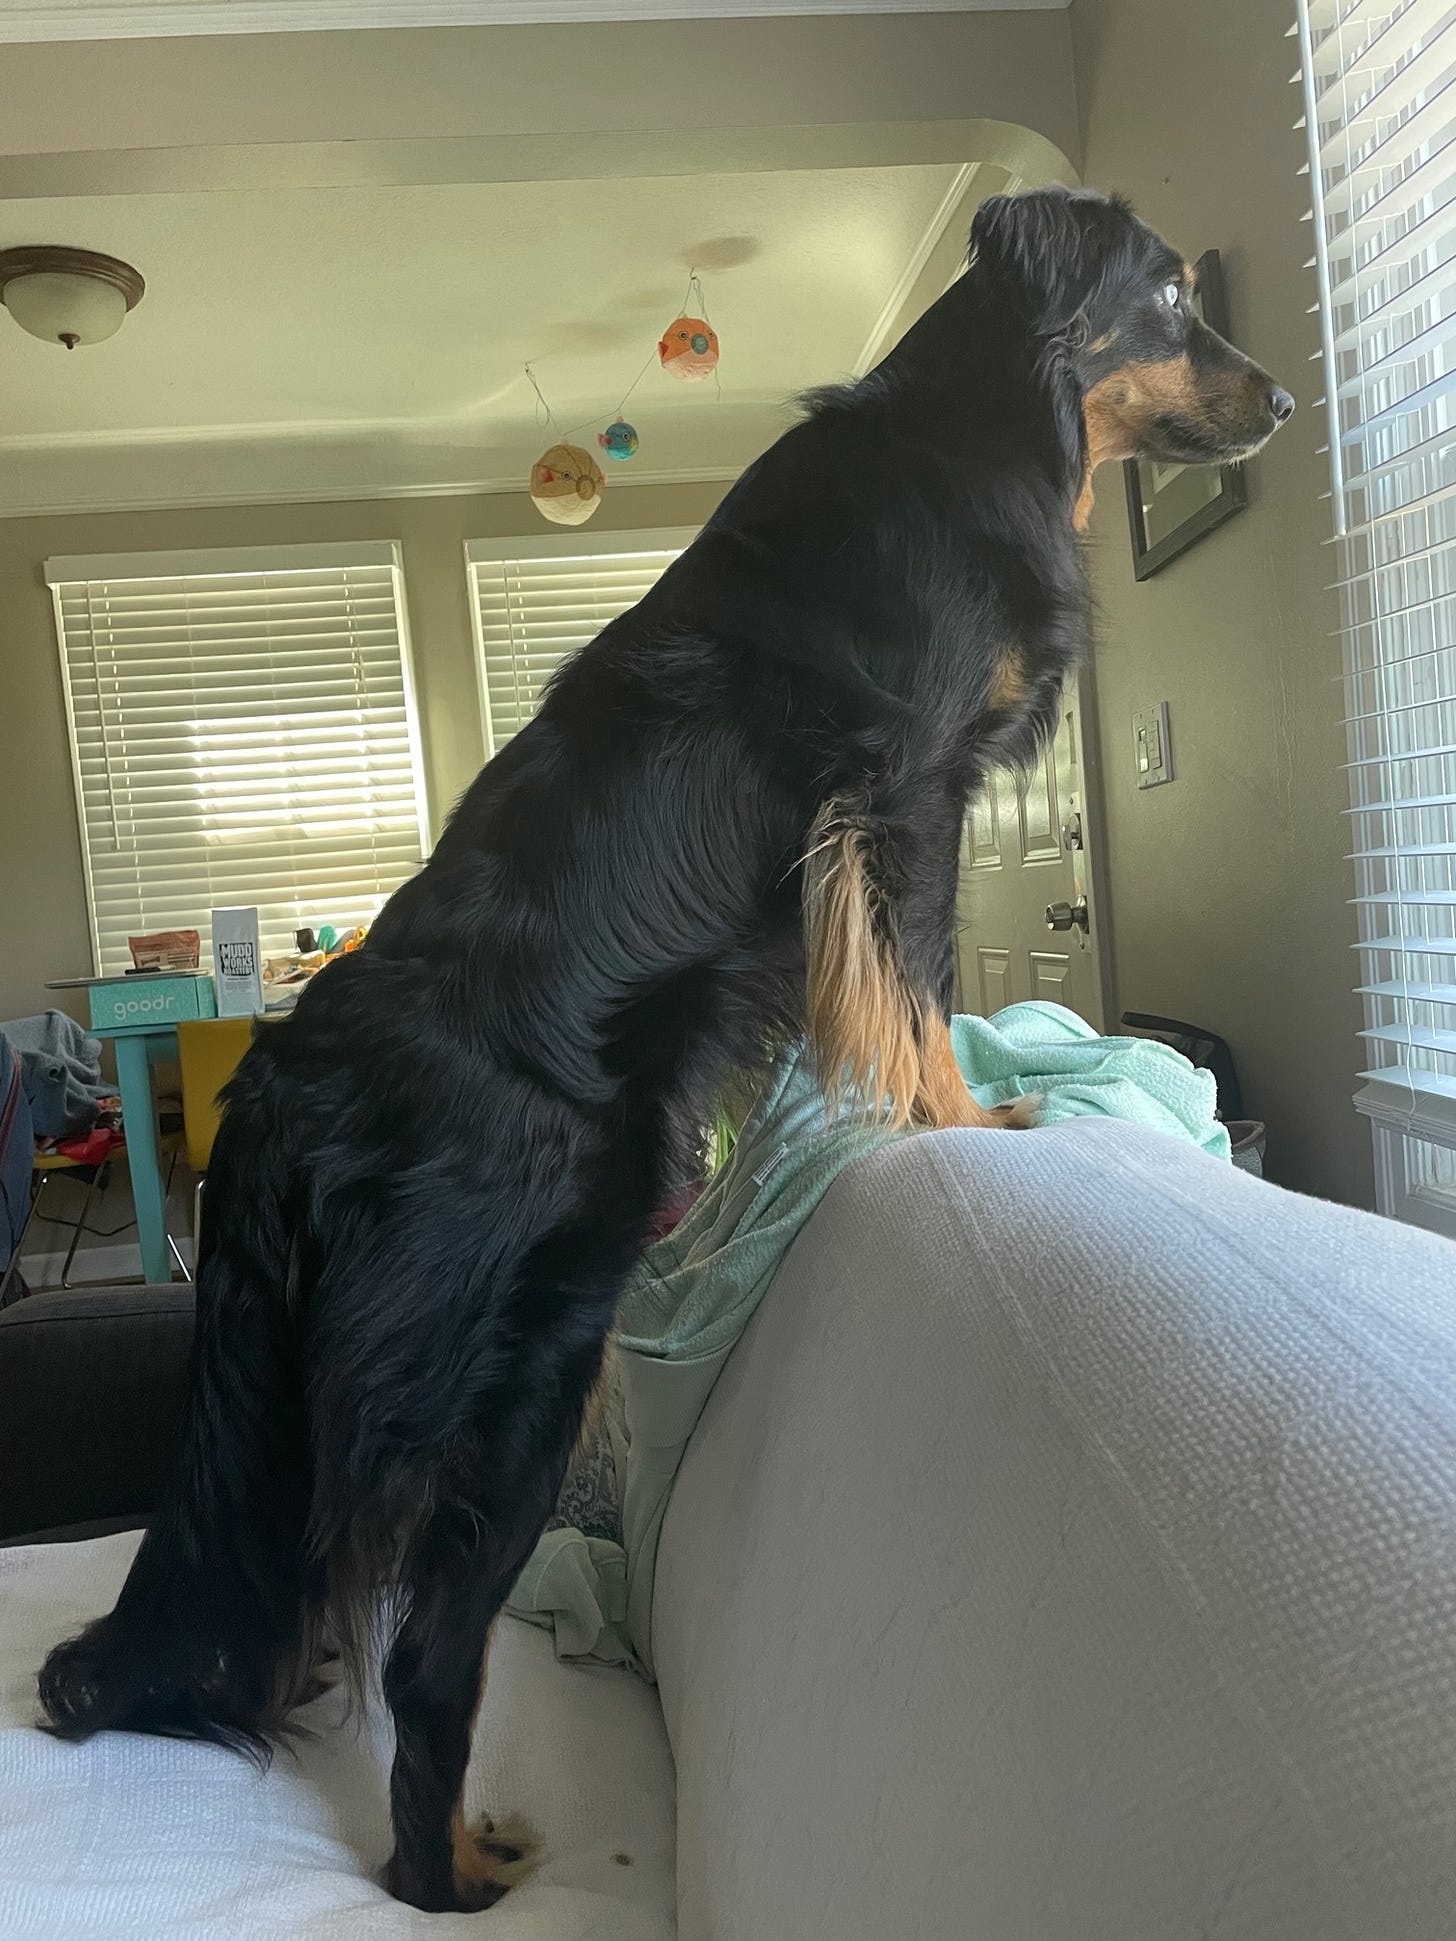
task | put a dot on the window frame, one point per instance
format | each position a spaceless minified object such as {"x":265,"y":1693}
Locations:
{"x":575,"y":544}
{"x":63,"y":570}
{"x":1399,"y":1109}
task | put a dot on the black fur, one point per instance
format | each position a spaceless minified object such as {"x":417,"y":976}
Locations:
{"x":431,"y":1181}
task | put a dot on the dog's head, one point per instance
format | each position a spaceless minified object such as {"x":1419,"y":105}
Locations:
{"x":1081,"y":271}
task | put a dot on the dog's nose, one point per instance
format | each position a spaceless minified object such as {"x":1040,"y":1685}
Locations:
{"x":1281,"y":404}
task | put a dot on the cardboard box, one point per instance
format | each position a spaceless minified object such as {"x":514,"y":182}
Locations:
{"x":159,"y":997}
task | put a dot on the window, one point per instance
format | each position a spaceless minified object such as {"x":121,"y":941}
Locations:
{"x":243,"y":731}
{"x":536,"y":601}
{"x":1381,"y":114}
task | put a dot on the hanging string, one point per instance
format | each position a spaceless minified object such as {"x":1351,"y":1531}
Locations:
{"x":695,"y":287}
{"x":694,"y":283}
{"x":599,"y":418}
{"x":548,"y":418}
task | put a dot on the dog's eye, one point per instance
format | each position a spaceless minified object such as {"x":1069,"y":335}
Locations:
{"x":1171,"y":294}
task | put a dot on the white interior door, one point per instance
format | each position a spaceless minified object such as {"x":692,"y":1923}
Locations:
{"x":1025,"y":853}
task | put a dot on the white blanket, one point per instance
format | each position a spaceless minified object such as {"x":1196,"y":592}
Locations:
{"x":168,"y":1841}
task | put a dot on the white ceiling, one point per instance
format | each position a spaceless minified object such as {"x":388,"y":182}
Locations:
{"x":39,"y":20}
{"x":332,"y":342}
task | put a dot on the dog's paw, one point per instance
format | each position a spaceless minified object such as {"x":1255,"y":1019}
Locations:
{"x":491,"y":1857}
{"x":963,"y":1112}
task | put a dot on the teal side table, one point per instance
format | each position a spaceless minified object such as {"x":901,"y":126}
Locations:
{"x":138,"y":1048}
{"x":139,"y":1015}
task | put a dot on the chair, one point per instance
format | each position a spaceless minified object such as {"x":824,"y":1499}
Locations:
{"x":25,"y":1175}
{"x":208,"y":1051}
{"x":96,"y":1176}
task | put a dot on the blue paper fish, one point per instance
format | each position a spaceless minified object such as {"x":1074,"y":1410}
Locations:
{"x":619,"y":440}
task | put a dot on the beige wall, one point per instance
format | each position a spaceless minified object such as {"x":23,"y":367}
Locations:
{"x":556,"y":88}
{"x":43,"y":926}
{"x":1229,"y":886}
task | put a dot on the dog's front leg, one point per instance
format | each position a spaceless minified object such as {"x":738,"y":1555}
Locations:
{"x":879,"y":913}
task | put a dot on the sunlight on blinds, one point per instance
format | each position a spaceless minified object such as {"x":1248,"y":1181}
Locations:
{"x":1379,"y":80}
{"x":537,"y":601}
{"x":242,"y":731}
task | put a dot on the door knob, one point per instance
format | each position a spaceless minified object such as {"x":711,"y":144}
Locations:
{"x":1067,"y":916}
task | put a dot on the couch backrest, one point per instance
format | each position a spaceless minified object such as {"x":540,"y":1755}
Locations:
{"x":1068,"y":1553}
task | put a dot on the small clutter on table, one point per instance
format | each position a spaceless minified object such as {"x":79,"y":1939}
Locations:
{"x":166,"y":950}
{"x":284,"y":977}
{"x":165,"y":984}
{"x":247,"y":984}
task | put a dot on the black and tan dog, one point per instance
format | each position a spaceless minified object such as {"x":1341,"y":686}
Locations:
{"x":735,"y":818}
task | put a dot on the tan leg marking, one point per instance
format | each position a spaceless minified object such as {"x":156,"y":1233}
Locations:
{"x":1009,"y":685}
{"x":944,"y":1100}
{"x":872,"y":1036}
{"x":861,"y":1018}
{"x":1082,"y":510}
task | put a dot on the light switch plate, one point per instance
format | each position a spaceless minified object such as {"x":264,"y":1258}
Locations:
{"x":1152,"y":751}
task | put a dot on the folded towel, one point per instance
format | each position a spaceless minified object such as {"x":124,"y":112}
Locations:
{"x":693,"y":1292}
{"x":1048,"y":1049}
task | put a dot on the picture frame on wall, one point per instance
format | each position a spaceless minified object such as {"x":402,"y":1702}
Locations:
{"x":1172,"y":507}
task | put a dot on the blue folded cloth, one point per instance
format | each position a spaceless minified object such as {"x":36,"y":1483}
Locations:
{"x":61,"y":1067}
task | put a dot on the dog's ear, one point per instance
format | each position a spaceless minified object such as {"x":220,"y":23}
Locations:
{"x":1038,"y":250}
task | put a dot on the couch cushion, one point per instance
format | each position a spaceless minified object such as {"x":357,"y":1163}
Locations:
{"x":92,"y":1382}
{"x":1068,"y":1553}
{"x":152,"y":1838}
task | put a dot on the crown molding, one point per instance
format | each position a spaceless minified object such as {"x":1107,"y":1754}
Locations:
{"x":361,"y":493}
{"x":169,"y":19}
{"x":887,"y":327}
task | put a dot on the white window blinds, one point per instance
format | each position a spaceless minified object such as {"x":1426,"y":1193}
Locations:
{"x":243,"y":731}
{"x":1379,"y":80}
{"x":537,"y":600}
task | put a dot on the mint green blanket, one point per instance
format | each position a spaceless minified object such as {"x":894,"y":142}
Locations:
{"x":694,"y":1291}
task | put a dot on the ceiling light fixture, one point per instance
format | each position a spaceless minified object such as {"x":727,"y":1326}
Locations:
{"x":67,"y":296}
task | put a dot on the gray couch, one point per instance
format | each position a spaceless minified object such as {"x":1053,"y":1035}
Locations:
{"x":92,"y":1382}
{"x":1067,"y":1553}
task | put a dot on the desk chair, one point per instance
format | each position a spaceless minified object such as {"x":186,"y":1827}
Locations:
{"x":43,"y":1168}
{"x":97,"y":1177}
{"x":208,"y":1051}
{"x":25,"y":1174}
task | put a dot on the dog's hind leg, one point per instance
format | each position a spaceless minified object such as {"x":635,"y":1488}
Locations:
{"x":457,"y":1576}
